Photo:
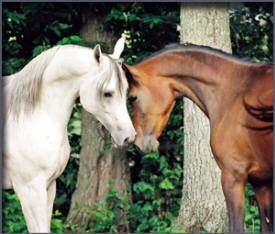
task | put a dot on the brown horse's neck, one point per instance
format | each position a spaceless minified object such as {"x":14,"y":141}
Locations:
{"x":208,"y":79}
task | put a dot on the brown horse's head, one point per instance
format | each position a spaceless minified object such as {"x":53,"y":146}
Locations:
{"x":152,"y":99}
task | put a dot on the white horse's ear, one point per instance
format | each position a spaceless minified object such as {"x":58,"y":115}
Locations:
{"x":97,"y":53}
{"x":119,"y":47}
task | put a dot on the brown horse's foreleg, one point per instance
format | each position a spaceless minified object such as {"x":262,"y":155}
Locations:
{"x":264,"y":198}
{"x":234,"y":190}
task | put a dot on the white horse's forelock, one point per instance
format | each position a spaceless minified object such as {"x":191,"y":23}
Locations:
{"x":114,"y":67}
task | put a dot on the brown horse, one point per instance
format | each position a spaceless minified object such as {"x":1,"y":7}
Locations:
{"x":236,"y":96}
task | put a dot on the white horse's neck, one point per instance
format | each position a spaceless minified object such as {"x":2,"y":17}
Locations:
{"x":59,"y":102}
{"x":68,"y":70}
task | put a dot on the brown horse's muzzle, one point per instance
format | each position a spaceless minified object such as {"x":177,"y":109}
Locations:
{"x":147,"y":144}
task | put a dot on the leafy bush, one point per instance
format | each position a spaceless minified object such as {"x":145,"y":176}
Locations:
{"x":103,"y":215}
{"x":12,"y":216}
{"x":251,"y":31}
{"x":157,"y":195}
{"x":252,"y":220}
{"x":13,"y":219}
{"x":149,"y":215}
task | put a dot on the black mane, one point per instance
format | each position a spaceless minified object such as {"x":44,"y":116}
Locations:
{"x":262,"y":113}
{"x":190,"y":46}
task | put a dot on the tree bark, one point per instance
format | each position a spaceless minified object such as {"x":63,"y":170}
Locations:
{"x":203,"y":203}
{"x":97,"y":166}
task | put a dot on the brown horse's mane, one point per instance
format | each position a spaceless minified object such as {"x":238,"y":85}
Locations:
{"x":191,"y":46}
{"x":129,"y":76}
{"x":262,"y":113}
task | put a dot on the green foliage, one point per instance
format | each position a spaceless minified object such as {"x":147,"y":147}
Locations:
{"x":13,"y":219}
{"x":74,"y":125}
{"x":143,"y":216}
{"x":102,"y":217}
{"x":12,"y":216}
{"x":205,"y":231}
{"x":251,"y":31}
{"x":157,"y":195}
{"x":57,"y":223}
{"x":252,"y":220}
{"x":137,"y":20}
{"x":12,"y":22}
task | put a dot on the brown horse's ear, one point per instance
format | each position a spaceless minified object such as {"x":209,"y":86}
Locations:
{"x":130,"y":73}
{"x":131,"y":69}
{"x":125,"y":67}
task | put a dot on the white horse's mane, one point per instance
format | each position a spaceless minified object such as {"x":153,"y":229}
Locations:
{"x":23,"y":89}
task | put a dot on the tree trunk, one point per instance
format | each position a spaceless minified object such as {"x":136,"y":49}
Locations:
{"x":203,"y":203}
{"x":97,"y":166}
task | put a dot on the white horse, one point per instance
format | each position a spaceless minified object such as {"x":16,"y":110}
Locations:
{"x":38,"y":102}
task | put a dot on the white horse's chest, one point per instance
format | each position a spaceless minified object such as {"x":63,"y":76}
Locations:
{"x":37,"y":147}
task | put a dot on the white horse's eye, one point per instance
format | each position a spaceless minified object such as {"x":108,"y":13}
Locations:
{"x":108,"y":94}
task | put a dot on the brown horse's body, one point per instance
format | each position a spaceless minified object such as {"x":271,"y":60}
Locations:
{"x":236,"y":96}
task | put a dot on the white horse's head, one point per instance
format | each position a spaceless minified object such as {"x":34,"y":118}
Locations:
{"x":105,"y":96}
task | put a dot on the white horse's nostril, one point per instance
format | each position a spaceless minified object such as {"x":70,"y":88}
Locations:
{"x":126,"y":141}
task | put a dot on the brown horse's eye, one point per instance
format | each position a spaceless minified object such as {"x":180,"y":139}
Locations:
{"x":132,"y":99}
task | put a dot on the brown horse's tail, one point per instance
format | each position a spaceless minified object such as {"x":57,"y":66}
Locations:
{"x":262,"y":113}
